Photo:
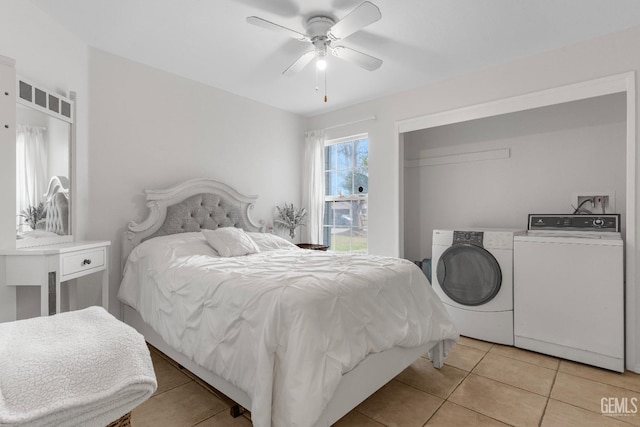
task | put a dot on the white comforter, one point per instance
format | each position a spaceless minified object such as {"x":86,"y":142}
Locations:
{"x":282,"y":325}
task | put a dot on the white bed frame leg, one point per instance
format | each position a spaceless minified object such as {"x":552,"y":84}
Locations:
{"x":437,"y":355}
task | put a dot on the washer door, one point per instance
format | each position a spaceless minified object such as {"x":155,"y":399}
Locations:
{"x":469,"y":274}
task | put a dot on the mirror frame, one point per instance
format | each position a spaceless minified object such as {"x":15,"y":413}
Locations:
{"x":65,"y":111}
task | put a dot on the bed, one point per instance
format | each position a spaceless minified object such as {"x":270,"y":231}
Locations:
{"x":297,"y":337}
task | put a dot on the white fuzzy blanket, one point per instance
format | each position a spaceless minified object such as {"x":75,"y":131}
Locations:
{"x":81,"y":368}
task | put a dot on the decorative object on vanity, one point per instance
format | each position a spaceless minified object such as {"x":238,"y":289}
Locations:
{"x":105,"y":366}
{"x":50,"y":218}
{"x":33,"y":215}
{"x":290,"y":218}
{"x":312,"y":246}
{"x":44,"y":131}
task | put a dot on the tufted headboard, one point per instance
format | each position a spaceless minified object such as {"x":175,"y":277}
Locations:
{"x":191,"y":206}
{"x":205,"y":210}
{"x":57,"y":206}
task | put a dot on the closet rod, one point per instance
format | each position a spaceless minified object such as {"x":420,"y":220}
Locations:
{"x":366,"y":119}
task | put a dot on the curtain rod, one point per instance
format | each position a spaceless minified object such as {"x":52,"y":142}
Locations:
{"x":366,"y":119}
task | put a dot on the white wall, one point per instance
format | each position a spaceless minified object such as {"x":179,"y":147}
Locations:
{"x":616,"y":53}
{"x":151,"y":130}
{"x":609,"y":55}
{"x":554,"y":151}
{"x":49,"y":55}
{"x":146,"y":129}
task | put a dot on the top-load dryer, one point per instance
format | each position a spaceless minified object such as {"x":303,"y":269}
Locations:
{"x":473,"y":276}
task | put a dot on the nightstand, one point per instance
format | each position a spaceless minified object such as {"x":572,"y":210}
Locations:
{"x":49,"y":266}
{"x":312,"y":246}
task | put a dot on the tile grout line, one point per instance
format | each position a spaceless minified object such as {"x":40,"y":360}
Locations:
{"x":431,"y":394}
{"x":364,"y":415}
{"x":499,"y":382}
{"x":524,"y":361}
{"x":191,"y":378}
{"x":172,"y":388}
{"x":435,"y":412}
{"x":621,"y":419}
{"x":492,"y":379}
{"x":209,"y":388}
{"x":468,"y":373}
{"x":586,"y":409}
{"x":466,"y":376}
{"x":511,"y":385}
{"x":445,"y":399}
{"x":476,"y":348}
{"x":597,"y":381}
{"x":546,"y":405}
{"x":213,"y":415}
{"x":458,"y":385}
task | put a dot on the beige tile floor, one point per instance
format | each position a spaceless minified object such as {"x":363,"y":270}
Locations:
{"x":481,"y":384}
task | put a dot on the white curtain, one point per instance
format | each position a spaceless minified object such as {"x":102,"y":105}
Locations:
{"x":313,"y":185}
{"x":31,"y":168}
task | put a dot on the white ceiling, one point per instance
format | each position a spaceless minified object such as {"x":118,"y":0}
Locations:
{"x":420,"y":41}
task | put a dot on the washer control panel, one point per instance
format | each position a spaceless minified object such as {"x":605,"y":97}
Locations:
{"x":608,"y":222}
{"x":471,"y":237}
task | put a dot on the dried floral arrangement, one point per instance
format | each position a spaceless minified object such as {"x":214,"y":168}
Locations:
{"x":290,"y":218}
{"x":34,"y":214}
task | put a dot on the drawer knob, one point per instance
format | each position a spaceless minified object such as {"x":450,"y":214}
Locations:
{"x":86,"y":262}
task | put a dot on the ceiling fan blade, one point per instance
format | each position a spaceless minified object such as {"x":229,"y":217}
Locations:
{"x":275,"y":27}
{"x":363,"y":15}
{"x":300,"y":63}
{"x":363,"y":60}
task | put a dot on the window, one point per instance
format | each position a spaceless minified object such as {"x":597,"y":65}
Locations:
{"x":346,"y":178}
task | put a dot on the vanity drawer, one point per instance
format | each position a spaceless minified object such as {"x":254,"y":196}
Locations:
{"x":77,"y":262}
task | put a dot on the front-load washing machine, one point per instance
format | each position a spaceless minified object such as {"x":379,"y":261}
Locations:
{"x":473,"y":276}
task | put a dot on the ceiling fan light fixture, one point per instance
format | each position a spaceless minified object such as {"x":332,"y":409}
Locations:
{"x":321,"y":63}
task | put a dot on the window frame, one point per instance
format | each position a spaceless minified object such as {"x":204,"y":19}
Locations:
{"x":345,"y":197}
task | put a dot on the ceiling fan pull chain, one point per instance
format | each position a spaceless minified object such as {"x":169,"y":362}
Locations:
{"x":317,"y":87}
{"x":325,"y":85}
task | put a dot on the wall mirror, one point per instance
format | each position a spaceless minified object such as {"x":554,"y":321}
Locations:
{"x":44,"y":122}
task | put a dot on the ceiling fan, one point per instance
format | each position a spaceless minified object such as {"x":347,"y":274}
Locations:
{"x":322,"y":31}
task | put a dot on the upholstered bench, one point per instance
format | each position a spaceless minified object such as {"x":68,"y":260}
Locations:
{"x":80,"y":368}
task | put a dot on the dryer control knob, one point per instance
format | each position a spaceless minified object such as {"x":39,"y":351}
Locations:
{"x":598,"y":222}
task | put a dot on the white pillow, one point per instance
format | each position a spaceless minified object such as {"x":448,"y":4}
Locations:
{"x":270,"y":242}
{"x":230,"y":241}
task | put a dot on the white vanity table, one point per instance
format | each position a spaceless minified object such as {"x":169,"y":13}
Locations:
{"x":49,"y":266}
{"x":45,"y":253}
